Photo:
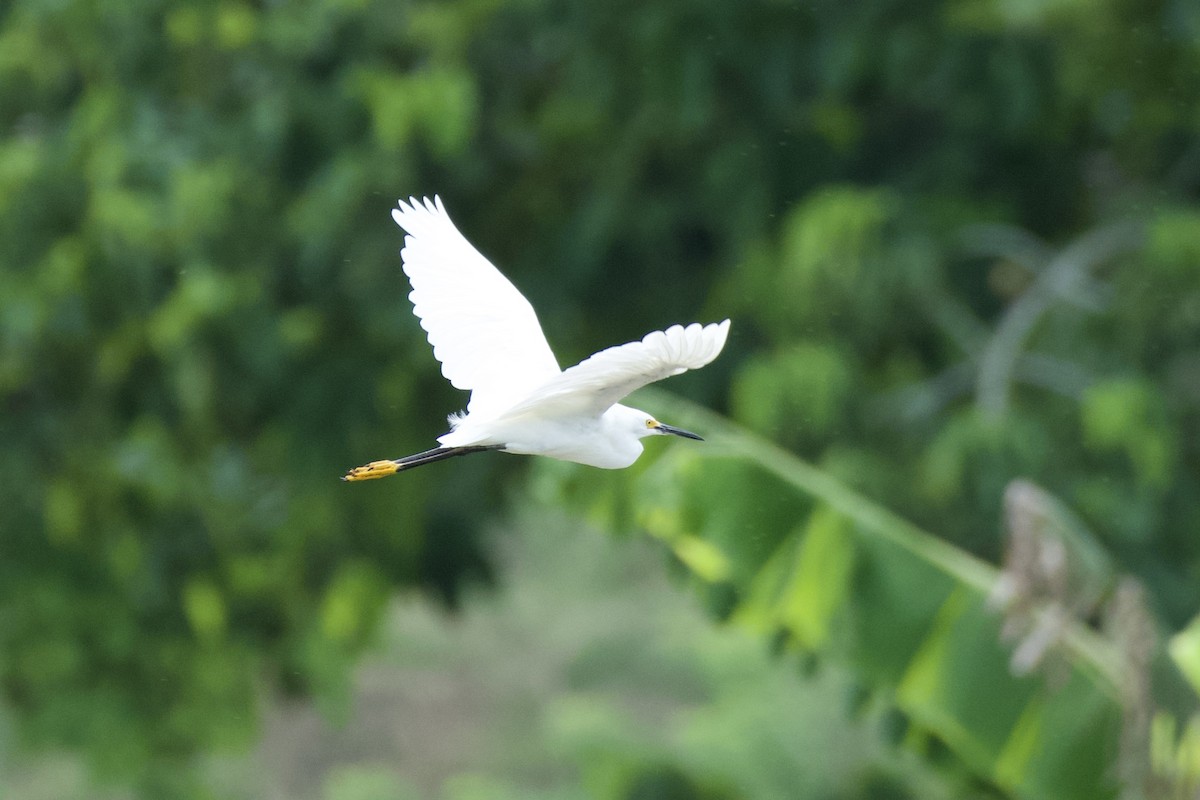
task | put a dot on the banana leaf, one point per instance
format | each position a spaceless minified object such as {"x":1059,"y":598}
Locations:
{"x":781,"y":547}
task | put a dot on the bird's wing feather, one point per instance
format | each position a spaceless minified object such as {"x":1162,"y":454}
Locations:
{"x":482,"y":329}
{"x":593,"y":385}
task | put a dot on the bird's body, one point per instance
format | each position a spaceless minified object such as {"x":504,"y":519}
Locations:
{"x":604,"y":441}
{"x":489,"y":341}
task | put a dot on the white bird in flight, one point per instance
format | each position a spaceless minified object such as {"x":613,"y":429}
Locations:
{"x":489,"y":341}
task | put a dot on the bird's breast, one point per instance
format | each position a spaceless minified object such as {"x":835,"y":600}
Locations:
{"x":580,"y":441}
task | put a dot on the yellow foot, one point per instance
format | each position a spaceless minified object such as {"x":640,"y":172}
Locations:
{"x":376,"y":469}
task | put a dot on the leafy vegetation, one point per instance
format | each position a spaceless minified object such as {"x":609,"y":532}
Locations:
{"x":960,"y":242}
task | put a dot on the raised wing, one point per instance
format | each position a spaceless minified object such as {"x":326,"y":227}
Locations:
{"x":593,"y":385}
{"x":482,"y":329}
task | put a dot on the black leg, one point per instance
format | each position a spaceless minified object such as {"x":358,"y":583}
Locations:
{"x":380,"y":469}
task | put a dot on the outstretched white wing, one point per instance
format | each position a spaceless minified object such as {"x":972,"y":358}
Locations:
{"x":593,"y":385}
{"x":482,"y":329}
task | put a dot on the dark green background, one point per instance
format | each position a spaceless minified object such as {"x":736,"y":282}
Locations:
{"x":203,"y":321}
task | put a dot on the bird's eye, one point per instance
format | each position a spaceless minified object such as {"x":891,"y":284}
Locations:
{"x":651,"y":423}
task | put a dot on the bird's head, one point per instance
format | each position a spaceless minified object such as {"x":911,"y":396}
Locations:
{"x":645,"y":425}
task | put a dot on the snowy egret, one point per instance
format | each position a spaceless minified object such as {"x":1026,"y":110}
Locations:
{"x":488,"y":339}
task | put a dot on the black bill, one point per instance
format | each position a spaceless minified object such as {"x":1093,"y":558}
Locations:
{"x":679,"y":432}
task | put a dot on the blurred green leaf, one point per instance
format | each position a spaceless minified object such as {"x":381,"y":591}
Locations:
{"x":205,"y":608}
{"x":1125,"y":415}
{"x":362,"y":783}
{"x":908,"y":612}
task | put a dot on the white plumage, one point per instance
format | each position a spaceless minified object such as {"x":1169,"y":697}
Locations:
{"x":482,"y":329}
{"x":489,"y":341}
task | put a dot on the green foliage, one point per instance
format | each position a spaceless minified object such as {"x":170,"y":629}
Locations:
{"x":809,"y":382}
{"x":806,"y":592}
{"x":627,"y":690}
{"x":1127,"y":417}
{"x":1185,"y":648}
{"x":910,"y":615}
{"x":359,"y":783}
